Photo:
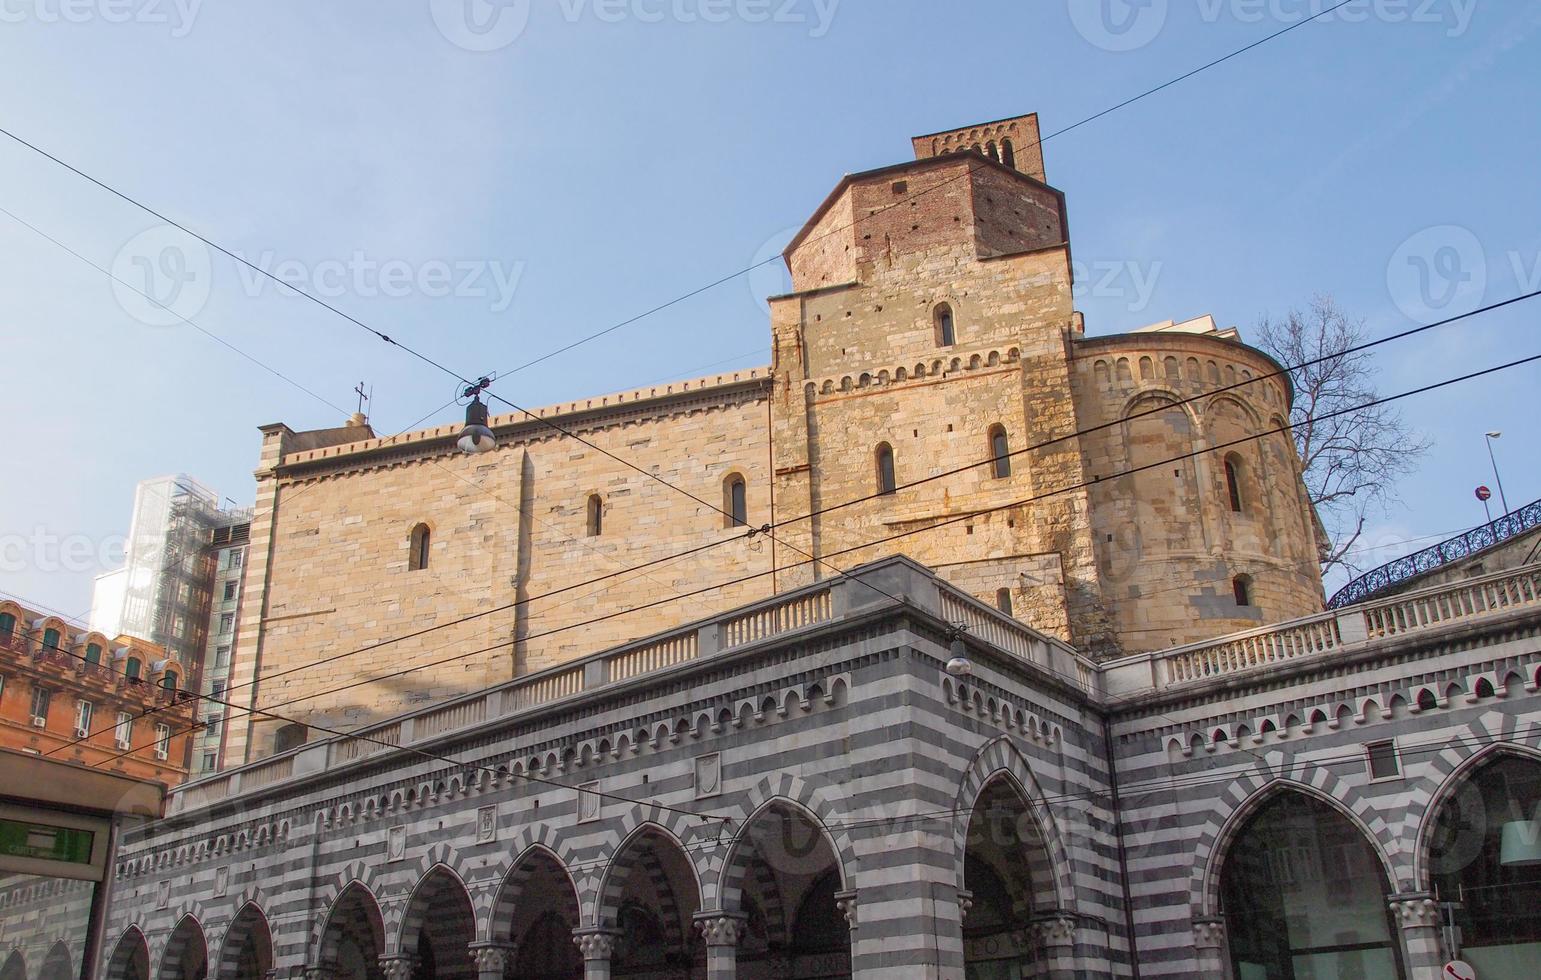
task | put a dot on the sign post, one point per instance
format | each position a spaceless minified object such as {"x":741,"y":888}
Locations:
{"x":1484,"y":495}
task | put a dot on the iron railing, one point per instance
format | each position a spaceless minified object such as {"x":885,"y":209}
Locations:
{"x":1378,"y":580}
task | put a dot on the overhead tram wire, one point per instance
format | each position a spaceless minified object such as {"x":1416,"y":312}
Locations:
{"x":940,"y":184}
{"x":685,"y":296}
{"x":905,"y":486}
{"x":207,"y":333}
{"x":709,"y":545}
{"x":184,"y":696}
{"x":433,"y":363}
{"x":267,"y":367}
{"x":903,"y":534}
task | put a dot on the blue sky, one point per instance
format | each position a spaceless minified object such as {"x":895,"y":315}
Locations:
{"x":608,"y":155}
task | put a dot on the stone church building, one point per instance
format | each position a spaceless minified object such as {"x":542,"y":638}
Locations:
{"x":1073,"y":712}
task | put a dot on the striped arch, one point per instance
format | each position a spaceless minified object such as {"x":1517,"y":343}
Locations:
{"x":824,"y":805}
{"x":130,"y":958}
{"x":250,"y":926}
{"x":1466,"y":752}
{"x":185,"y":948}
{"x":1001,"y":757}
{"x":14,"y":966}
{"x":355,"y":895}
{"x":360,"y":873}
{"x":629,"y":859}
{"x":507,"y":900}
{"x":437,"y":879}
{"x":1249,"y":790}
{"x":728,"y":891}
{"x":679,"y":826}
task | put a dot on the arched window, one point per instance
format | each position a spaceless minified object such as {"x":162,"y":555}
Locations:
{"x":1008,"y":153}
{"x":1000,"y":452}
{"x":992,"y":150}
{"x":946,"y":334}
{"x":288,"y":737}
{"x":1241,"y":586}
{"x":885,"y":469}
{"x":93,"y":653}
{"x":1300,"y":885}
{"x":1003,"y":600}
{"x":7,"y":626}
{"x":735,"y":500}
{"x":169,"y":680}
{"x":417,"y":558}
{"x":1485,"y":854}
{"x":1173,"y":373}
{"x":596,"y":516}
{"x":1233,"y":482}
{"x":132,"y":668}
{"x":1147,"y":369}
{"x":50,"y":639}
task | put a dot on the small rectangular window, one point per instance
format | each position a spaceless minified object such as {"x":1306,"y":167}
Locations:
{"x":83,"y":711}
{"x":163,"y":742}
{"x":208,"y":762}
{"x":235,"y":558}
{"x":226,"y":624}
{"x":230,"y":590}
{"x":1383,"y":761}
{"x":222,"y":656}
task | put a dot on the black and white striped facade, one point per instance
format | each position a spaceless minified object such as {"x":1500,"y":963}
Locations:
{"x":800,"y":788}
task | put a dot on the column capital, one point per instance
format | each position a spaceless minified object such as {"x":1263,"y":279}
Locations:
{"x":965,"y":902}
{"x":1055,"y":929}
{"x":596,"y":944}
{"x":846,"y":902}
{"x":398,"y":966}
{"x":492,"y":957}
{"x":1209,"y":932}
{"x":720,"y":928}
{"x":1415,"y":910}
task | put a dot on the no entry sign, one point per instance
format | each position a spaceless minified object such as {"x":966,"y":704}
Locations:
{"x":1484,"y":494}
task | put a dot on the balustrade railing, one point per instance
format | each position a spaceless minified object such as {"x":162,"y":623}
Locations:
{"x":1377,"y":580}
{"x":764,"y":623}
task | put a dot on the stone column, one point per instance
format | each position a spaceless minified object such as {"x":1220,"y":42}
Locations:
{"x":1422,"y":949}
{"x":1055,"y":933}
{"x":398,"y":966}
{"x":596,"y":946}
{"x":1212,"y":948}
{"x":493,"y":960}
{"x":722,"y":931}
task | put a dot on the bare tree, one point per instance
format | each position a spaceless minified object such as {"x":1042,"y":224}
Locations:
{"x":1352,"y":463}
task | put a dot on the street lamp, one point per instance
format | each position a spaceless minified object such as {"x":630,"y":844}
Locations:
{"x":1500,"y":480}
{"x":476,"y":437}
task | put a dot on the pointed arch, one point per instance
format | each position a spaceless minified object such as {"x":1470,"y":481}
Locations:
{"x":651,"y":891}
{"x":247,"y":950}
{"x":186,"y":956}
{"x":1001,"y":757}
{"x":130,"y":959}
{"x":538,"y":873}
{"x":352,"y":932}
{"x":14,"y":967}
{"x":1467,"y":752}
{"x":438,"y":924}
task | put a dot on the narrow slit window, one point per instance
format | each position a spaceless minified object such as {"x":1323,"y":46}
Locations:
{"x":596,"y":516}
{"x":420,"y":543}
{"x":1003,"y":600}
{"x":1233,"y":483}
{"x":885,"y":469}
{"x":737,"y":501}
{"x":946,"y":333}
{"x":1000,"y":452}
